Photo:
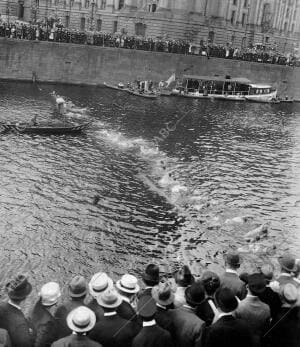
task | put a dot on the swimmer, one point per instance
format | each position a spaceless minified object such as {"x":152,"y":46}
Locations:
{"x":60,"y":103}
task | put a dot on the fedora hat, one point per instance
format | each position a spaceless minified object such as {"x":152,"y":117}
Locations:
{"x":128,"y":284}
{"x":288,"y":263}
{"x":18,"y":288}
{"x":151,"y":274}
{"x":109,"y":299}
{"x":163,"y":294}
{"x":77,"y":287}
{"x":257,"y":283}
{"x":232,"y":258}
{"x":226,"y":300}
{"x":290,"y":293}
{"x":211,"y":282}
{"x":183,"y":277}
{"x":195,"y":294}
{"x":99,"y":283}
{"x":49,"y":294}
{"x":146,"y":306}
{"x":81,"y":319}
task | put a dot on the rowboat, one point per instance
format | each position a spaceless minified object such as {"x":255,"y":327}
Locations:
{"x":117,"y":87}
{"x":45,"y":129}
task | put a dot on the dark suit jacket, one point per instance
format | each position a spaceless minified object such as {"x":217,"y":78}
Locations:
{"x":4,"y":338}
{"x":126,"y":311}
{"x":45,"y":325}
{"x":75,"y":341}
{"x":164,"y":319}
{"x":286,"y":331}
{"x":61,"y":316}
{"x":21,"y":332}
{"x":205,"y":312}
{"x":233,"y":282}
{"x":153,"y":336}
{"x":272,"y":299}
{"x":229,"y":332}
{"x":98,"y":310}
{"x":145,"y":292}
{"x":114,"y":331}
{"x":257,"y":316}
{"x":188,"y":327}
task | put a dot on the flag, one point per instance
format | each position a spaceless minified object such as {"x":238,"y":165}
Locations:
{"x":171,"y":79}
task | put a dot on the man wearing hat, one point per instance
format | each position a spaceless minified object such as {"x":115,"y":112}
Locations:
{"x":99,"y":283}
{"x":12,"y":319}
{"x":288,"y":267}
{"x":151,"y":334}
{"x":228,"y":331}
{"x":80,"y":321}
{"x":188,"y":326}
{"x":285,"y":328}
{"x":183,"y":278}
{"x":230,"y":278}
{"x":77,"y":293}
{"x":163,"y":295}
{"x":42,"y":315}
{"x":127,"y":288}
{"x":151,"y":278}
{"x":269,"y":296}
{"x":112,"y":330}
{"x":253,"y":311}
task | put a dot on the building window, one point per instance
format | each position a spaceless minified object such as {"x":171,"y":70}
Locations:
{"x":99,"y":24}
{"x":234,"y":2}
{"x":232,"y":19}
{"x":82,"y":23}
{"x":86,"y":3}
{"x":67,"y":21}
{"x":245,"y":3}
{"x":244,"y":19}
{"x":244,"y":42}
{"x":267,"y":39}
{"x":140,"y":29}
{"x":232,"y":39}
{"x":121,"y":4}
{"x":211,"y":37}
{"x":115,"y":26}
{"x":285,"y":26}
{"x":152,"y":7}
{"x":21,"y":10}
{"x":103,"y":5}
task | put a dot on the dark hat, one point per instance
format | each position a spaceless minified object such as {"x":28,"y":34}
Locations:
{"x":151,"y":274}
{"x":211,"y":282}
{"x":257,"y":283}
{"x":288,"y":263}
{"x":226,"y":300}
{"x":163,"y":294}
{"x":19,"y":288}
{"x":195,"y":294}
{"x":78,"y":287}
{"x":232,"y":258}
{"x":244,"y":277}
{"x":183,"y":277}
{"x":146,"y":306}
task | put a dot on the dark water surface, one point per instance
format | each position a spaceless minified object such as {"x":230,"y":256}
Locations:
{"x":226,"y":160}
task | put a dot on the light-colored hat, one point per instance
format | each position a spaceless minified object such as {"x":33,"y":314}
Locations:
{"x":99,"y":283}
{"x":128,"y":284}
{"x":109,"y":299}
{"x":81,"y":319}
{"x":163,"y":294}
{"x":49,"y":294}
{"x":290,"y":293}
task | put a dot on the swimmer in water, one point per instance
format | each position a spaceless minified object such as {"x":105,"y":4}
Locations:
{"x":60,"y":103}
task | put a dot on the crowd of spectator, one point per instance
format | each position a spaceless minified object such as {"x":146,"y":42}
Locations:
{"x":59,"y":33}
{"x":160,"y":310}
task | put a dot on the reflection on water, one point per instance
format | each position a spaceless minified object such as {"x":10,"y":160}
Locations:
{"x":169,"y":173}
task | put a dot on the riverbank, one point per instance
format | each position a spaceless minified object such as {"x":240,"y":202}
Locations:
{"x":89,"y":65}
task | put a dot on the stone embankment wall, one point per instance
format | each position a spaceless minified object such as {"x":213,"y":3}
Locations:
{"x":91,"y":65}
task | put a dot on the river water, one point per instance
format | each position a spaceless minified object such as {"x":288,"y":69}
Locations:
{"x":169,"y":174}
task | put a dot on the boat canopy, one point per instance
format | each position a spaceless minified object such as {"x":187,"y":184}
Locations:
{"x":241,"y":80}
{"x":260,"y":86}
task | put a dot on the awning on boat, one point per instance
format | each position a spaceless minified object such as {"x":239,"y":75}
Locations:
{"x":260,"y":86}
{"x":241,"y":80}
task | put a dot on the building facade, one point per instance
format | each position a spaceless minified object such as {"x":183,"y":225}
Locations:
{"x":274,"y":23}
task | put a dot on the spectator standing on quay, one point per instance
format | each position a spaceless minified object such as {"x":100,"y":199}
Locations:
{"x":12,"y":319}
{"x":99,"y":283}
{"x":80,"y":321}
{"x":127,"y":287}
{"x":288,"y":268}
{"x":183,"y":279}
{"x":112,"y":330}
{"x":228,"y":331}
{"x":253,"y":311}
{"x":42,"y":318}
{"x":150,"y":278}
{"x":77,"y":293}
{"x":188,"y":326}
{"x":151,"y":334}
{"x":230,"y":277}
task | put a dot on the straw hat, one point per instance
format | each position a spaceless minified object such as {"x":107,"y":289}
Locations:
{"x":288,"y":263}
{"x":81,"y":319}
{"x":99,"y":283}
{"x":128,"y":284}
{"x":109,"y":299}
{"x":49,"y":294}
{"x":163,"y":294}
